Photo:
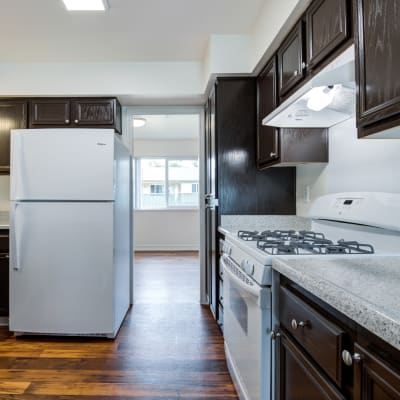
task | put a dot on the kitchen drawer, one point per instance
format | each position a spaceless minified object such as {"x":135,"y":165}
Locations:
{"x":322,"y":339}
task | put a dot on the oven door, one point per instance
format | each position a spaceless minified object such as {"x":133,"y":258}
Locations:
{"x":247,"y":324}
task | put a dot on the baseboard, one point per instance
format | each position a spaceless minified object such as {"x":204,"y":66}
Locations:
{"x":166,"y":248}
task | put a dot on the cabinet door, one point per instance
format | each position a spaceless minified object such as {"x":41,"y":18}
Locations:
{"x":378,"y":61}
{"x":327,"y":28}
{"x":291,"y":60}
{"x":299,"y":378}
{"x":13,"y":115}
{"x":267,"y":136}
{"x":93,"y":112}
{"x":373,"y":380}
{"x":4,"y":274}
{"x":49,"y":113}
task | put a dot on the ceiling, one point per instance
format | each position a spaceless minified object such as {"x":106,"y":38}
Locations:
{"x":168,"y":127}
{"x":130,"y":30}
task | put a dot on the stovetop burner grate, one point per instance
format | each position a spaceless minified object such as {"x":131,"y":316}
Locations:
{"x":288,"y":242}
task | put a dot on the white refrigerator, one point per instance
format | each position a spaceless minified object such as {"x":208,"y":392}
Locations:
{"x":69,"y":232}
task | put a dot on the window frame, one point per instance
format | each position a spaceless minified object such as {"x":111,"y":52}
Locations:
{"x":138,"y":184}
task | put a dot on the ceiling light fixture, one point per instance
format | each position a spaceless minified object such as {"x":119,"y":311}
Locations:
{"x":139,"y":122}
{"x":85,"y":5}
{"x":320,"y":97}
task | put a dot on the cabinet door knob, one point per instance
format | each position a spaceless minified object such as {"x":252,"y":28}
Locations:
{"x":296,"y":324}
{"x":76,"y":121}
{"x":349,"y":358}
{"x":67,"y":121}
{"x":272,"y":154}
{"x":304,"y":65}
{"x":295,"y":73}
{"x":274,"y":334}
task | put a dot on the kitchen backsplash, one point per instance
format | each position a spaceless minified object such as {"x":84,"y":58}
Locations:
{"x":355,"y":165}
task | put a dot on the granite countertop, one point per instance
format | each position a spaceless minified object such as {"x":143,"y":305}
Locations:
{"x":4,"y":220}
{"x":233,"y":223}
{"x":365,"y":289}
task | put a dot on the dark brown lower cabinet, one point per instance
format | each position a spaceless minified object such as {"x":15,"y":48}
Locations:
{"x":4,"y":274}
{"x":299,"y":378}
{"x":373,"y":380}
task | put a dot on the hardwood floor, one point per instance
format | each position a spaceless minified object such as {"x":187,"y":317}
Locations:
{"x":169,"y":348}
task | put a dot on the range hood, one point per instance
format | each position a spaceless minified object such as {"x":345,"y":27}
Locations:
{"x":333,"y":89}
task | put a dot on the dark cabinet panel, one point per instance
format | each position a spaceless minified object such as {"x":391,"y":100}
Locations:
{"x":291,"y":60}
{"x":13,"y":115}
{"x":378,"y":63}
{"x":93,"y":112}
{"x":4,"y":274}
{"x":267,"y":136}
{"x":327,"y":27}
{"x":75,"y":113}
{"x":299,"y":378}
{"x":373,"y":379}
{"x":242,"y":188}
{"x":303,"y":145}
{"x":46,"y":113}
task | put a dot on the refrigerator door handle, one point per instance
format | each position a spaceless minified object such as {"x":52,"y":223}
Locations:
{"x":15,"y":261}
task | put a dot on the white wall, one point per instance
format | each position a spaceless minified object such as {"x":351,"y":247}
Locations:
{"x":166,"y":229}
{"x":165,"y":148}
{"x":157,"y":82}
{"x":354,"y":165}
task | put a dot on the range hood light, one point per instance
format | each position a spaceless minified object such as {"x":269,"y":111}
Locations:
{"x":320,"y":97}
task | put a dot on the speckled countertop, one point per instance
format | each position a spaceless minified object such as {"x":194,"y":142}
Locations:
{"x":233,"y":223}
{"x":366,"y":289}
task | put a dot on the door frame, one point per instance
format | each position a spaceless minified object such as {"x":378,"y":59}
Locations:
{"x":127,"y":133}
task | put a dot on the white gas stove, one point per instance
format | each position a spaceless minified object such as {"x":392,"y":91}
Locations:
{"x":343,"y":225}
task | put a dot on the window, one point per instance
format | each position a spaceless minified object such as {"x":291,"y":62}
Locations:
{"x":167,"y":183}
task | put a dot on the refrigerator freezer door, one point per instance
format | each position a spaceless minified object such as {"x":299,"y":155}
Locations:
{"x":61,"y":278}
{"x":62,"y":164}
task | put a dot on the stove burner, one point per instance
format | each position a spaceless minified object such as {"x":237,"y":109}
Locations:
{"x":249,"y":235}
{"x":289,"y":242}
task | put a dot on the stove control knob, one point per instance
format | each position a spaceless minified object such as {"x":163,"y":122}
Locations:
{"x":227,"y":249}
{"x":248,"y":267}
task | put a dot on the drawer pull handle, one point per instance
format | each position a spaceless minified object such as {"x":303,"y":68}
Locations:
{"x":349,"y":358}
{"x":296,"y":324}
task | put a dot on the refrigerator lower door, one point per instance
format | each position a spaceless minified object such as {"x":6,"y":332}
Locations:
{"x":61,"y":268}
{"x":62,"y":164}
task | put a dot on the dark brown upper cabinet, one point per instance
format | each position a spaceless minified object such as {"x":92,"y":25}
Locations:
{"x":328,"y":27}
{"x":373,"y":379}
{"x":13,"y":115}
{"x":267,"y":136}
{"x":96,"y":112}
{"x":75,"y":113}
{"x":291,"y":60}
{"x":53,"y":112}
{"x":377,"y":65}
{"x":284,"y":147}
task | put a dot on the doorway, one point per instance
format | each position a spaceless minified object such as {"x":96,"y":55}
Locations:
{"x":166,"y":143}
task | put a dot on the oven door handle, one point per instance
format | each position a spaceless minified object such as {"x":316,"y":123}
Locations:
{"x":254,"y":289}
